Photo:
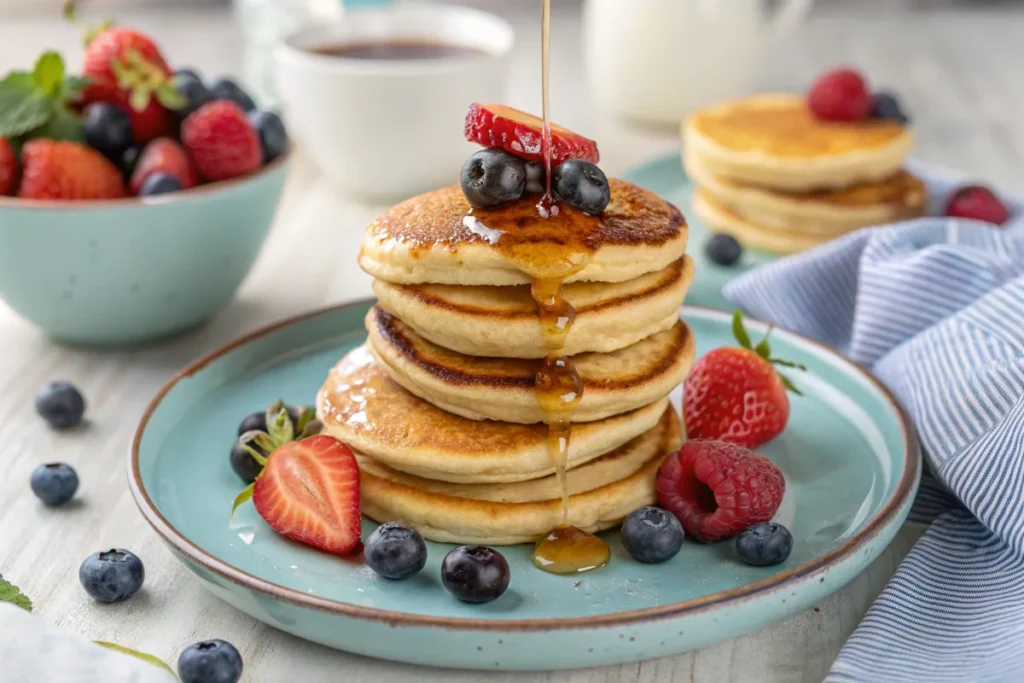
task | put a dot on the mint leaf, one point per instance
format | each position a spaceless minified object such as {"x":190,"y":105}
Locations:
{"x":20,"y":114}
{"x":18,"y":81}
{"x":155,"y":661}
{"x":12,"y":594}
{"x":48,"y":74}
{"x":73,"y":87}
{"x":61,"y":124}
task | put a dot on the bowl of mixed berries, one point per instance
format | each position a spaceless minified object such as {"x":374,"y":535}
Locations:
{"x":134,"y":197}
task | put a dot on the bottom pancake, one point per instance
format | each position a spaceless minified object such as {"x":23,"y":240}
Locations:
{"x":720,"y":219}
{"x":603,"y":492}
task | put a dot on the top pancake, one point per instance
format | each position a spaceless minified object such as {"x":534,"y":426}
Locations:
{"x":774,"y":141}
{"x":438,"y":238}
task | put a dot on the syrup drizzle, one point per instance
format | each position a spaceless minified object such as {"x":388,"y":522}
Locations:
{"x":565,"y":549}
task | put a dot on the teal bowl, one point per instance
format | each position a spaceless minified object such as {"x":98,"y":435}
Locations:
{"x":130,"y":271}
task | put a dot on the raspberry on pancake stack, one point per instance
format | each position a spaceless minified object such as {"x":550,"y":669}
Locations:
{"x":784,"y":173}
{"x":496,"y":318}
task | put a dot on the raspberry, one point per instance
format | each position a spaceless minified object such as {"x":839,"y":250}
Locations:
{"x":980,"y":203}
{"x":840,"y":95}
{"x":8,"y":167}
{"x":221,"y":141}
{"x":163,"y":155}
{"x":718,"y":489}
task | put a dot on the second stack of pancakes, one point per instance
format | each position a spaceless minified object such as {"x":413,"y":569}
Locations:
{"x":776,"y":178}
{"x":440,"y":403}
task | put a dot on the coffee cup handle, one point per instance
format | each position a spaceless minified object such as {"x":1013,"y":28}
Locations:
{"x":788,"y":15}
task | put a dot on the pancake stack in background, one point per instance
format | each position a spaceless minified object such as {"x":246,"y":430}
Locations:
{"x":441,"y":405}
{"x":777,"y":178}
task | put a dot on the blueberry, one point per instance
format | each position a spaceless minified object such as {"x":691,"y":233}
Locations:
{"x":129,"y":159}
{"x":581,"y":184}
{"x":192,"y":88}
{"x":107,"y":129}
{"x":112,"y":576}
{"x":188,"y":72}
{"x":60,"y":404}
{"x":475,"y":573}
{"x":255,"y":421}
{"x":723,"y":250}
{"x":55,"y":483}
{"x":159,"y":183}
{"x":395,"y":551}
{"x":227,"y":89}
{"x":652,"y":535}
{"x":535,"y":174}
{"x":273,"y":137}
{"x":493,"y":177}
{"x":211,"y":661}
{"x":764,"y":544}
{"x":885,"y":105}
{"x":244,"y":465}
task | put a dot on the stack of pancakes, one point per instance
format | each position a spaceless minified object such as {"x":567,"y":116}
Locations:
{"x":778,"y":179}
{"x":439,"y":404}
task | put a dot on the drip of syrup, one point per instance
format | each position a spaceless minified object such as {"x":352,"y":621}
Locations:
{"x":565,"y":549}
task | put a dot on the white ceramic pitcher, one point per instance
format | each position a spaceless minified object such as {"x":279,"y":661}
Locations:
{"x":658,"y":60}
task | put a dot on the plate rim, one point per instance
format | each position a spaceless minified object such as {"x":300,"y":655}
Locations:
{"x":181,"y":544}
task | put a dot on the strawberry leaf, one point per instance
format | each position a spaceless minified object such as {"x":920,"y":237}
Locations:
{"x":763,"y":349}
{"x":279,"y":424}
{"x":241,"y":499}
{"x":138,"y":100}
{"x":789,"y":385}
{"x":170,"y":97}
{"x":738,"y":330}
{"x":305,"y":417}
{"x":48,"y":74}
{"x":787,"y":363}
{"x":12,"y":594}
{"x":155,"y":661}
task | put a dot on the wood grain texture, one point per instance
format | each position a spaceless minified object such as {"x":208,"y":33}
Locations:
{"x":957,"y":68}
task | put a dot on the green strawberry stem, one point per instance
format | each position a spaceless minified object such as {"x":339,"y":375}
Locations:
{"x":152,"y":659}
{"x":764,"y":350}
{"x":240,"y":500}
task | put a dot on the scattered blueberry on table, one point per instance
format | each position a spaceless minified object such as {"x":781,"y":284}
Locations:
{"x":211,"y":661}
{"x":764,"y":544}
{"x":395,"y":551}
{"x":54,"y":483}
{"x":60,"y":404}
{"x":475,"y":574}
{"x":652,"y":535}
{"x":112,"y":576}
{"x":581,"y":184}
{"x":723,"y":250}
{"x":492,"y":177}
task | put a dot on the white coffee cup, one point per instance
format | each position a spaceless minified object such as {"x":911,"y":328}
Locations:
{"x":386,"y":128}
{"x":657,"y":61}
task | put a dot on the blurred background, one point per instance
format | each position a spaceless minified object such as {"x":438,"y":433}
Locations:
{"x":955,"y":63}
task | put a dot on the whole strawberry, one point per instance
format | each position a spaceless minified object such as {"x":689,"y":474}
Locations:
{"x":52,"y":169}
{"x":718,"y":489}
{"x":735,"y":394}
{"x":8,"y":167}
{"x":977,"y":202}
{"x":163,"y":155}
{"x":221,"y":141}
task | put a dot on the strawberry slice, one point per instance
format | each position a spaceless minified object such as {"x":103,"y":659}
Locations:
{"x":495,"y":125}
{"x":309,"y":492}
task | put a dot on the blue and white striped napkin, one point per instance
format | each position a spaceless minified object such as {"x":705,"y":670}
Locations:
{"x":935,"y":307}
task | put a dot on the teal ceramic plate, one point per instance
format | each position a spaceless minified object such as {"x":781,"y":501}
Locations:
{"x":850,"y":460}
{"x":665,"y":176}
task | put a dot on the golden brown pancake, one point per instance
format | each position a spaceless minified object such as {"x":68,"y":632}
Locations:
{"x":774,"y":141}
{"x":505,"y":388}
{"x":438,"y":238}
{"x":363,"y":407}
{"x":828,"y":213}
{"x":771,"y":239}
{"x":602,"y":491}
{"x":503,"y":321}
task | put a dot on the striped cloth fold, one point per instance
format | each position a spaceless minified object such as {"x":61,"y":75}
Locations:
{"x":935,"y":307}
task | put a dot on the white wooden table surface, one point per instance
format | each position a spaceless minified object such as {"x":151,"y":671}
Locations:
{"x":959,"y":71}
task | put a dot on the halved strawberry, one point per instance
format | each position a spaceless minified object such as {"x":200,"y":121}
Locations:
{"x":309,"y":492}
{"x":495,"y":125}
{"x":163,"y":155}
